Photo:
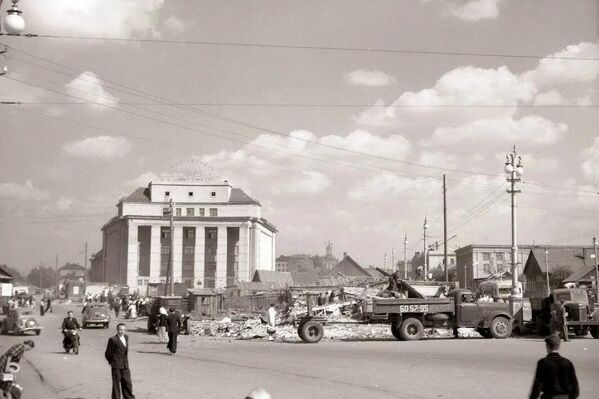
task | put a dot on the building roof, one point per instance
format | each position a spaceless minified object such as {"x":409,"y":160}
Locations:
{"x":72,"y":266}
{"x":304,"y":278}
{"x":238,"y":196}
{"x":5,"y":275}
{"x":258,"y":286}
{"x":202,"y":291}
{"x":347,"y":267}
{"x":571,"y":256}
{"x":581,"y":274}
{"x":269,"y":276}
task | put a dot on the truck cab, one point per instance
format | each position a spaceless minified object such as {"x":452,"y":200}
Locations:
{"x":491,"y":319}
{"x":581,"y":316}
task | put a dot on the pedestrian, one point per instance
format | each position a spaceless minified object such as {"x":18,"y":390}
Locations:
{"x":132,"y":311}
{"x":117,"y":308}
{"x":12,"y":355}
{"x":162,"y":325}
{"x":555,"y":376}
{"x":561,"y":322}
{"x":272,"y":317}
{"x":117,"y":352}
{"x":49,"y":303}
{"x":173,"y":326}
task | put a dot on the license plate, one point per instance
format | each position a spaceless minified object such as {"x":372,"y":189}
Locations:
{"x":7,"y":377}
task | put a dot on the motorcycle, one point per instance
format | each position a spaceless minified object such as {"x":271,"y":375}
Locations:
{"x":8,"y":376}
{"x":71,"y":341}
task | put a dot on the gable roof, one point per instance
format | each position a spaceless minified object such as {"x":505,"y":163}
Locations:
{"x":581,"y":275}
{"x":347,"y":267}
{"x":269,"y":276}
{"x":238,"y":196}
{"x":571,"y":257}
{"x":141,"y":194}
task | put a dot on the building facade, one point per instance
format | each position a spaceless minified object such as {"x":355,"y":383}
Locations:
{"x":478,"y":261}
{"x":219,"y":236}
{"x":435,"y":260}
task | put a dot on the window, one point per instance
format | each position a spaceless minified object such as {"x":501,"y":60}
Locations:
{"x":167,"y":193}
{"x":166,"y":249}
{"x":213,"y":212}
{"x":188,"y":267}
{"x":213,"y":194}
{"x":165,"y":234}
{"x":210,"y":250}
{"x":189,"y":233}
{"x":188,"y":249}
{"x":189,"y":211}
{"x":166,"y":211}
{"x":178,"y":211}
{"x":499,"y":256}
{"x":201,"y":212}
{"x":212,"y":235}
{"x":486,"y":256}
{"x":190,"y":194}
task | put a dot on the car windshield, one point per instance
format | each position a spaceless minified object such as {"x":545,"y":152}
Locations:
{"x":575,"y":296}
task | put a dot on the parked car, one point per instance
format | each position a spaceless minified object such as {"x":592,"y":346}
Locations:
{"x":96,"y":313}
{"x":19,"y":321}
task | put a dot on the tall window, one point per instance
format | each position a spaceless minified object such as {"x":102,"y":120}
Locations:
{"x":213,"y":212}
{"x":189,"y":233}
{"x":178,"y":212}
{"x":188,"y":250}
{"x":201,"y":212}
{"x":189,"y":211}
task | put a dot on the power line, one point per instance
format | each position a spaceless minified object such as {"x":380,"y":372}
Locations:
{"x":312,"y":47}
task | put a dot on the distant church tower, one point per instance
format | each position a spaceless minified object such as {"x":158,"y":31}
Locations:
{"x":329,"y":260}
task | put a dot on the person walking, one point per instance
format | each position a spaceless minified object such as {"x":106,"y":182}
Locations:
{"x":272,"y":318}
{"x":561,"y":322}
{"x":555,"y":376}
{"x":49,"y":303}
{"x":162,"y":325}
{"x":117,"y":352}
{"x":117,"y":308}
{"x":173,"y":326}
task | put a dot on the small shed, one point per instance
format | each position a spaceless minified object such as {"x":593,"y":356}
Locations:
{"x":205,"y":302}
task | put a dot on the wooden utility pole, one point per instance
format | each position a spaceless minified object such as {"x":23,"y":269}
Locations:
{"x":169,"y":287}
{"x":57,"y":279}
{"x":85,"y":267}
{"x":445,"y":228}
{"x":405,"y":257}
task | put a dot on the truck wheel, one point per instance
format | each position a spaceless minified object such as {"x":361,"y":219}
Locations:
{"x":38,"y":332}
{"x":395,"y":332}
{"x":484,"y":332}
{"x":311,"y":332}
{"x":501,"y":327}
{"x":595,"y":332}
{"x":411,"y":329}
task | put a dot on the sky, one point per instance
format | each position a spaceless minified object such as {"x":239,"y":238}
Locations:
{"x":336,"y":142}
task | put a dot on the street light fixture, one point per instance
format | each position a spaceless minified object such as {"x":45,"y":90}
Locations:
{"x":14,"y":23}
{"x":514,"y":171}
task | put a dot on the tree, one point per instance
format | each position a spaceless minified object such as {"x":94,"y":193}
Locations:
{"x":557,"y":275}
{"x":15,"y":273}
{"x":42,"y":276}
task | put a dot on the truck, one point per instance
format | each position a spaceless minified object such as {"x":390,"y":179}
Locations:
{"x":582,"y":315}
{"x":408,"y":316}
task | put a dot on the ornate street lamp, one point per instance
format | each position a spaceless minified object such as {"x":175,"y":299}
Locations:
{"x":514,"y":171}
{"x":14,"y":23}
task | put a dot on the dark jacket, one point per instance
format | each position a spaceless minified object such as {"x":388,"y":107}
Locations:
{"x":72,"y":324}
{"x":116,"y":353}
{"x":555,"y":376}
{"x":162,"y":320}
{"x":173,"y":322}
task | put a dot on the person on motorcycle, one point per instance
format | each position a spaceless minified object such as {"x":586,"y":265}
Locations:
{"x":12,"y":355}
{"x":69,"y":324}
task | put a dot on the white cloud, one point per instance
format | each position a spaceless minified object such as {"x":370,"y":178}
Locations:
{"x":105,"y":18}
{"x":393,"y":146}
{"x":387,"y":184}
{"x":88,"y":87}
{"x":552,"y":71}
{"x":369,"y":77}
{"x":26,"y":191}
{"x":474,"y":10}
{"x":64,"y":203}
{"x":590,"y":164}
{"x":307,"y":182}
{"x":101,"y":147}
{"x":142,"y":180}
{"x":531,"y":129}
{"x":174,"y":25}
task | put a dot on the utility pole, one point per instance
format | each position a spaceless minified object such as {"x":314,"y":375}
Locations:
{"x":385,"y":261}
{"x":445,"y":228}
{"x":57,"y":279}
{"x":425,"y":252}
{"x":547,"y":271}
{"x":85,"y":267}
{"x":405,"y":257}
{"x":514,"y":170}
{"x":40,"y":267}
{"x":393,"y":258}
{"x":596,"y":270}
{"x":170,"y":284}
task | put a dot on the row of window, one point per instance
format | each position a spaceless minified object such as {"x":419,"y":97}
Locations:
{"x":189,"y":194}
{"x":212,"y":212}
{"x":188,"y":233}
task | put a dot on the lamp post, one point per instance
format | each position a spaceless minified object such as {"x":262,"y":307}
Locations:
{"x":14,"y":23}
{"x":596,"y":270}
{"x":405,"y":257}
{"x":547,"y":271}
{"x":425,"y":252}
{"x":513,"y":171}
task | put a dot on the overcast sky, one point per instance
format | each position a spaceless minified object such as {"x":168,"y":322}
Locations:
{"x":361,"y":176}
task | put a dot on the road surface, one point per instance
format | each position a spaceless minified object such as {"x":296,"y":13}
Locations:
{"x":210,"y":368}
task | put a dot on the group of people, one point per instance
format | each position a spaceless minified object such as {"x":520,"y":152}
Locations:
{"x":330,"y":297}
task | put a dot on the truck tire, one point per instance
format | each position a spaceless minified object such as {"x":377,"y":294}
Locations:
{"x":411,"y":329}
{"x":311,"y":332}
{"x":501,"y":327}
{"x":395,"y":332}
{"x":595,"y":332}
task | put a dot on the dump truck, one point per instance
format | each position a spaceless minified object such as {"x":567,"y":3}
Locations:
{"x":408,"y":313}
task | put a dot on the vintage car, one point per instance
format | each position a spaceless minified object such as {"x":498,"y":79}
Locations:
{"x":96,"y":313}
{"x":19,"y":321}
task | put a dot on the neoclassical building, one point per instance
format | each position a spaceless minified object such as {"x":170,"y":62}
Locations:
{"x":219,"y":236}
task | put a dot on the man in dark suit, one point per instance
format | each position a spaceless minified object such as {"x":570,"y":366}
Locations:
{"x":555,"y":375}
{"x":117,"y":352}
{"x":173,"y":326}
{"x":69,"y":323}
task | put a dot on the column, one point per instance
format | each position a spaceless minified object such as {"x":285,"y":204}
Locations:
{"x":132,"y":256}
{"x":155,"y":254}
{"x":244,"y":253}
{"x":221,"y":257}
{"x":198,"y":267}
{"x":178,"y":254}
{"x":273,"y":257}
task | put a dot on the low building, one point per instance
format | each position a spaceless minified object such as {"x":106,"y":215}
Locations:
{"x":575,"y":262}
{"x":347,"y":267}
{"x":294,"y":263}
{"x":220,"y":236}
{"x":283,"y":279}
{"x":71,"y":271}
{"x":435,"y":260}
{"x":479,"y":261}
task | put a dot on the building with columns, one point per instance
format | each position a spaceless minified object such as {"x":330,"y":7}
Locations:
{"x":219,"y":236}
